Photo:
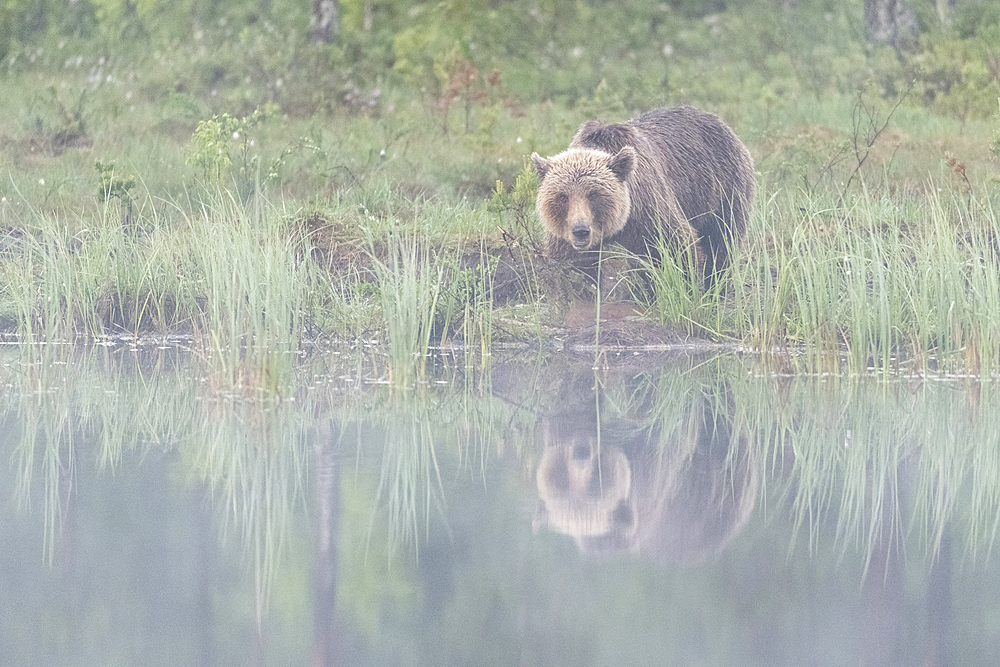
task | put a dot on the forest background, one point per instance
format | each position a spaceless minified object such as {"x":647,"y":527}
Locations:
{"x":135,"y":136}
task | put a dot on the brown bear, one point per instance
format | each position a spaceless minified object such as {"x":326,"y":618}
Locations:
{"x":675,"y":486}
{"x":677,"y":174}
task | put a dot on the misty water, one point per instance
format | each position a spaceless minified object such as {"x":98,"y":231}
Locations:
{"x":163,"y":506}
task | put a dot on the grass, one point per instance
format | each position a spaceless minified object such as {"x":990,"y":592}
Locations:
{"x":870,"y":249}
{"x":426,"y":297}
{"x":861,"y":288}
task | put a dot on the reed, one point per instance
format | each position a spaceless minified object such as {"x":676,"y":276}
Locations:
{"x":674,"y":291}
{"x":871,"y":287}
{"x":250,"y":290}
{"x":409,"y":289}
{"x":429,"y":298}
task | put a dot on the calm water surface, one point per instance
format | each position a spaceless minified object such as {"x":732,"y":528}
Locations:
{"x":163,"y":507}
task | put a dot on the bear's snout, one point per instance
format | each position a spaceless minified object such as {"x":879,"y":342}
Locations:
{"x":581,"y":235}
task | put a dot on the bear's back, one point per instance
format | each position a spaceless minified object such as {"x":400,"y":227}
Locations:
{"x":698,"y":145}
{"x":688,"y":151}
{"x":688,"y":142}
{"x":607,"y":137}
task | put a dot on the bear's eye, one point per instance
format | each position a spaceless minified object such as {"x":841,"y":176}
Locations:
{"x":562,"y":198}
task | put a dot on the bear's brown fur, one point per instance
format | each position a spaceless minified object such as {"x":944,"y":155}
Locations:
{"x":677,"y":174}
{"x":676,"y":488}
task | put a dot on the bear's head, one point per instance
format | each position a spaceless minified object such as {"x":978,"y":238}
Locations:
{"x":584,"y":489}
{"x":583,"y":198}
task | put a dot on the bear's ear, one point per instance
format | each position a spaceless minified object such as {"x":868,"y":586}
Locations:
{"x":622,"y":163}
{"x":623,"y":515}
{"x":541,"y":165}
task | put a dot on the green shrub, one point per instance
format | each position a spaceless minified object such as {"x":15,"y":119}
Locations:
{"x":216,"y":142}
{"x":958,"y":76}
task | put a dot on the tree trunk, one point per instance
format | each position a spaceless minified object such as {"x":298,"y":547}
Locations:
{"x":325,"y":20}
{"x":890,"y":22}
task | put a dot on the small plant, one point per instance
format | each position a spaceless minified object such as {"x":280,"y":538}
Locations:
{"x":957,"y":167}
{"x":112,"y":185}
{"x":868,"y":123}
{"x":518,"y":207}
{"x":66,"y":129}
{"x":460,"y":82}
{"x":217,"y":141}
{"x":604,"y":103}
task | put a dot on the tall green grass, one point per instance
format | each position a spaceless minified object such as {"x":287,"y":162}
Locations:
{"x":409,"y":288}
{"x":430,"y":297}
{"x":876,"y":283}
{"x":251,"y":291}
{"x":248,"y":281}
{"x":873,"y":285}
{"x":230,"y":273}
{"x":68,"y":276}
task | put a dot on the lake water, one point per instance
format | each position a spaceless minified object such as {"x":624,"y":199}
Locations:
{"x":160,"y":508}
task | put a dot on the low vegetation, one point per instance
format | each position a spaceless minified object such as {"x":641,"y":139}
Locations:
{"x":234,"y":182}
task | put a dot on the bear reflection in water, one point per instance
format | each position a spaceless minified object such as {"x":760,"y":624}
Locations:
{"x":677,"y":494}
